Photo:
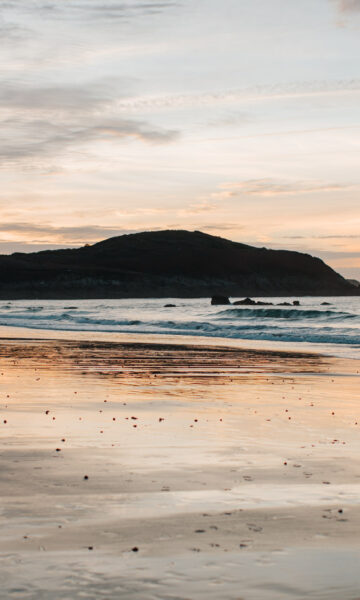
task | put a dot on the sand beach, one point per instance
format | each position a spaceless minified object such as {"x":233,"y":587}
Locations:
{"x":179,"y":300}
{"x":155,"y":470}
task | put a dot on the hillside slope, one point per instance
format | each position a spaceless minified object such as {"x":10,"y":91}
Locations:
{"x":163,"y":264}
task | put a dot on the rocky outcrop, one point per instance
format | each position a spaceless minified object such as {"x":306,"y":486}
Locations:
{"x":250,"y":302}
{"x":220,"y":300}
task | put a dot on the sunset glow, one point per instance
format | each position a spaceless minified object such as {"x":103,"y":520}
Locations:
{"x":240,"y":119}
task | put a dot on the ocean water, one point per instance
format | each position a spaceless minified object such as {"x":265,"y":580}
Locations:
{"x":333,"y":328}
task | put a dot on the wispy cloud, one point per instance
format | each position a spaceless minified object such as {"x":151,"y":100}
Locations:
{"x":49,"y":234}
{"x":199,"y":207}
{"x":63,"y":98}
{"x":271,"y":188}
{"x":11,"y":32}
{"x":46,"y":120}
{"x":295,"y":89}
{"x":90,"y":9}
{"x":21,"y":139}
{"x":338,"y":254}
{"x":348,"y":6}
{"x":218,"y":227}
{"x":322,"y":237}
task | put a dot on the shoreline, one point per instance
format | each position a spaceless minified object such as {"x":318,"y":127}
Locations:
{"x":17,"y":333}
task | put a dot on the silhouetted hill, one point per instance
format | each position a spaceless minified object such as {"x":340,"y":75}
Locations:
{"x":164,"y":264}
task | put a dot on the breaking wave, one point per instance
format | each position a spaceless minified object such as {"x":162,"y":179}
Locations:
{"x":285,"y":313}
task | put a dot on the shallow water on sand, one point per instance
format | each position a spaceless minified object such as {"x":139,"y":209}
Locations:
{"x":233,"y":473}
{"x":283,"y":575}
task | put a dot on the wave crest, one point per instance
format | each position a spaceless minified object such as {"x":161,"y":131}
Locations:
{"x":292,"y":314}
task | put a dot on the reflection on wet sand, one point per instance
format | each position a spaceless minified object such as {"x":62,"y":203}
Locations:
{"x":124,"y":467}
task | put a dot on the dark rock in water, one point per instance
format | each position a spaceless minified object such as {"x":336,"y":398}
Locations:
{"x":284,"y":304}
{"x":246,"y":302}
{"x":169,"y":305}
{"x":326,"y":304}
{"x":220,"y":300}
{"x":251,"y":302}
{"x":296,"y":303}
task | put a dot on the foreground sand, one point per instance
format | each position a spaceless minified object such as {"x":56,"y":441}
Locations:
{"x":212,"y":473}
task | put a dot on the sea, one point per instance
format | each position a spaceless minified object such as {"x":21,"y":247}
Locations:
{"x":331,"y":328}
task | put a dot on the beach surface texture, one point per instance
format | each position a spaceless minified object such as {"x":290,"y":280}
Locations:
{"x":153,"y":470}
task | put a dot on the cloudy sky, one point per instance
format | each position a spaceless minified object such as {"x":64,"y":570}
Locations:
{"x":239,"y":118}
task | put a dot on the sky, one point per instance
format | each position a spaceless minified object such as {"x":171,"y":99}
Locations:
{"x":234,"y":117}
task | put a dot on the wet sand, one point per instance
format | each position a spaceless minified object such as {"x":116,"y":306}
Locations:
{"x":162,"y":471}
